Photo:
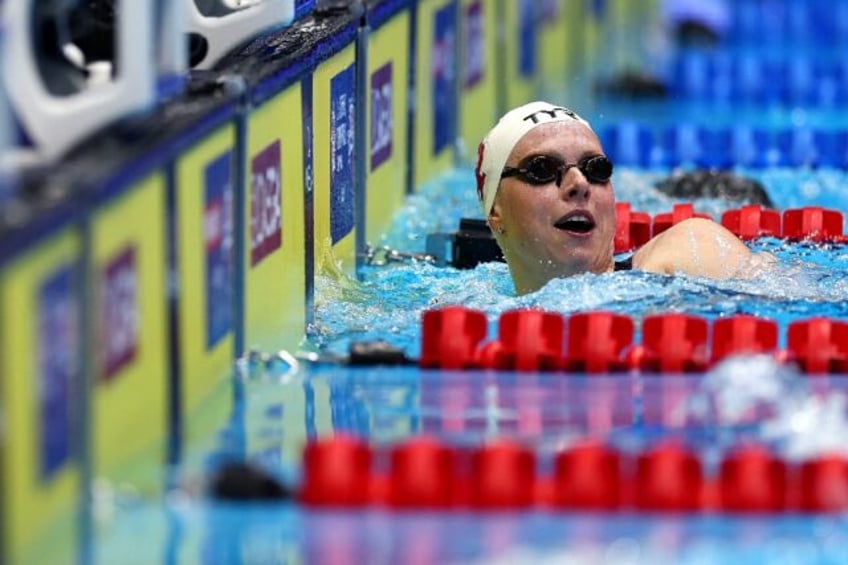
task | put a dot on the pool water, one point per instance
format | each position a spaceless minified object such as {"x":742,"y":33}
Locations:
{"x":285,"y":400}
{"x":388,"y":302}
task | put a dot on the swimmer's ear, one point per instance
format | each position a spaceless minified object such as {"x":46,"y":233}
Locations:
{"x":494,"y":219}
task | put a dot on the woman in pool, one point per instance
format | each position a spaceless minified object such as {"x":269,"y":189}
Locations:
{"x":544,"y":185}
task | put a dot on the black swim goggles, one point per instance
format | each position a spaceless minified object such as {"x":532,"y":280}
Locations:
{"x":543,"y":169}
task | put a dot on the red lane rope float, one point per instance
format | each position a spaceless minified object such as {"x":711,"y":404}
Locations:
{"x":450,"y":337}
{"x":503,"y":476}
{"x":818,"y":345}
{"x":421,"y":474}
{"x":632,"y":229}
{"x":597,"y":341}
{"x":752,"y":221}
{"x":528,"y":340}
{"x":425,"y":474}
{"x":588,"y":477}
{"x":813,"y":223}
{"x":679,"y":212}
{"x":752,"y":480}
{"x":743,"y":334}
{"x":823,"y":484}
{"x":810,"y":223}
{"x":337,"y":473}
{"x":602,"y":342}
{"x":668,"y":479}
{"x":672,"y":343}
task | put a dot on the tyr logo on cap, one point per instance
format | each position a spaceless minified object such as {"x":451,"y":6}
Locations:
{"x":550,"y":114}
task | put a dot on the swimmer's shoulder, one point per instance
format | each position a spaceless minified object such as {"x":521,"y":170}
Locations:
{"x":661,"y":253}
{"x":695,"y":246}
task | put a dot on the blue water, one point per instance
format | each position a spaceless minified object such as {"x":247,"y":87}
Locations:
{"x":266,"y":535}
{"x":797,"y":417}
{"x":285,"y":401}
{"x":282,"y":402}
{"x":388,"y":301}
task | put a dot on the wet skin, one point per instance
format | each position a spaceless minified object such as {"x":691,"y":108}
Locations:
{"x":537,"y":241}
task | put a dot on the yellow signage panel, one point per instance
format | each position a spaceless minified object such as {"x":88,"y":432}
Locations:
{"x":128,"y":274}
{"x":275,"y":248}
{"x":576,"y":22}
{"x":553,"y":51}
{"x":387,"y":91}
{"x":593,"y":21}
{"x":40,"y":371}
{"x":436,"y":89}
{"x":478,"y":79}
{"x":334,"y":125}
{"x":521,"y":52}
{"x":204,"y":197}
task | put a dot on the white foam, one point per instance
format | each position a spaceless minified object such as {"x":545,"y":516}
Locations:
{"x":781,"y":407}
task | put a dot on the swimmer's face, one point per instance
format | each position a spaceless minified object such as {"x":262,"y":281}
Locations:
{"x":549,"y":231}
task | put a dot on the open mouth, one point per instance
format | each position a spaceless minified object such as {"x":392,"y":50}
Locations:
{"x":576,"y":222}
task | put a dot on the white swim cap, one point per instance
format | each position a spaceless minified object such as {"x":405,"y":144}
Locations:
{"x":495,"y":148}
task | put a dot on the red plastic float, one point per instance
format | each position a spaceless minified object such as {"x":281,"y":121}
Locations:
{"x":337,"y":472}
{"x":668,"y":479}
{"x":588,"y":477}
{"x":596,"y":341}
{"x":673,"y":343}
{"x":818,"y":345}
{"x":632,"y":229}
{"x":449,"y":337}
{"x":751,"y":479}
{"x":823,"y":484}
{"x":503,"y":476}
{"x":812,"y":223}
{"x":422,"y":474}
{"x":528,"y":340}
{"x":679,"y":212}
{"x":743,"y":334}
{"x":752,"y":221}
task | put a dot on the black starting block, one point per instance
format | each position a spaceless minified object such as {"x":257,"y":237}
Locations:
{"x":471,"y":245}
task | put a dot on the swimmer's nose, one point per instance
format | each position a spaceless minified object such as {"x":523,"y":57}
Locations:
{"x":574,"y":184}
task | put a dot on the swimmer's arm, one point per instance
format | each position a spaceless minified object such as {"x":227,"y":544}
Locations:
{"x":699,"y":247}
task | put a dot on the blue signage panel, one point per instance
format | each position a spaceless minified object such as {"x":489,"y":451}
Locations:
{"x":342,"y":147}
{"x":444,"y":77}
{"x":218,"y":237}
{"x":58,"y":365}
{"x":527,"y":37}
{"x":474,"y":60}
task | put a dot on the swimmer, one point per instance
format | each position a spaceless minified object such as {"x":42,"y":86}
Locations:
{"x":545,"y":188}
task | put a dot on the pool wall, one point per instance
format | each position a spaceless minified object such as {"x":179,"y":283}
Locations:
{"x":137,"y":269}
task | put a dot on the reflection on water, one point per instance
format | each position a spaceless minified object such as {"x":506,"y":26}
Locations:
{"x":285,"y":535}
{"x":279,"y":408}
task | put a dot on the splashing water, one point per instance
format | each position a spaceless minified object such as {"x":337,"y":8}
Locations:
{"x":387,"y":302}
{"x":756,"y":398}
{"x":750,"y":397}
